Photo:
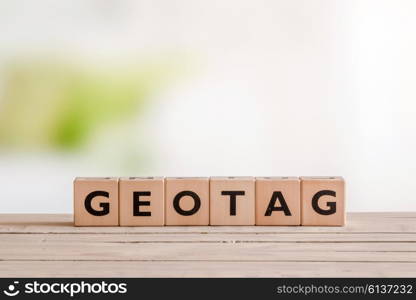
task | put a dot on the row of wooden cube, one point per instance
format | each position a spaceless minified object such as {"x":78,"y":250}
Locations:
{"x":158,"y":201}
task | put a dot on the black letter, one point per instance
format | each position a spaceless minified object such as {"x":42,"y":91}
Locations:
{"x":137,"y":203}
{"x":179,"y":210}
{"x":277,"y":195}
{"x":233,"y":200}
{"x":105,"y":206}
{"x":332,"y":205}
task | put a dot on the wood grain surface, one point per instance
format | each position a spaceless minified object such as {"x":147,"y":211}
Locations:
{"x":370,"y":245}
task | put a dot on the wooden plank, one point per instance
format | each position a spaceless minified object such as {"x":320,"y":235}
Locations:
{"x":322,"y":252}
{"x":204,"y":269}
{"x":356,"y":223}
{"x":211,"y":238}
{"x":372,"y":244}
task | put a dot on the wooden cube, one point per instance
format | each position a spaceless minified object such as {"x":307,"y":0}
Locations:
{"x":277,"y":201}
{"x":96,"y":201}
{"x":323,"y":201}
{"x":142,"y":201}
{"x":187,"y":201}
{"x":232,"y":201}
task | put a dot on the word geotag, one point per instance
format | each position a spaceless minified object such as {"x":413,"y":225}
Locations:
{"x":173,"y":201}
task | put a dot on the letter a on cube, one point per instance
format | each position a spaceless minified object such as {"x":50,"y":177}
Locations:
{"x":277,"y":201}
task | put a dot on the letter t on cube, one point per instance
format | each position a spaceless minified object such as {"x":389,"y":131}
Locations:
{"x":232,"y":201}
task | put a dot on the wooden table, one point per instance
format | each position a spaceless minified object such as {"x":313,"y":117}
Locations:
{"x":372,"y":244}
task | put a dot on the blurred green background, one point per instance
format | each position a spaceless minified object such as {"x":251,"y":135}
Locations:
{"x":54,"y":105}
